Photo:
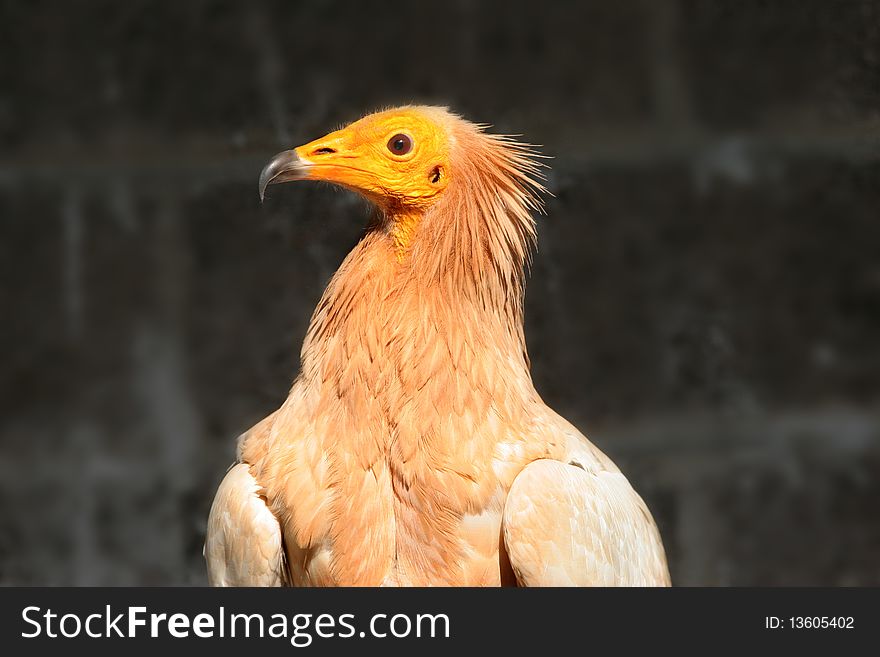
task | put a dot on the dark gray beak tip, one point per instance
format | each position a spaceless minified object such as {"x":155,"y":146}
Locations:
{"x":284,"y":167}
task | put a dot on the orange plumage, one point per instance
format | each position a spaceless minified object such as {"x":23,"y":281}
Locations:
{"x":413,"y":448}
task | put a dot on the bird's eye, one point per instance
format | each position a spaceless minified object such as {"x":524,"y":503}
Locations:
{"x":400,"y":144}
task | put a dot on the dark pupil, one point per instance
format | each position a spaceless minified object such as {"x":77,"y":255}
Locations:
{"x":400,"y":144}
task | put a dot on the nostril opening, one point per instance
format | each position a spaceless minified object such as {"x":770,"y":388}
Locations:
{"x":323,"y":150}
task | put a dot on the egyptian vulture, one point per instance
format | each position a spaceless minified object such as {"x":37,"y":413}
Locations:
{"x":413,"y":449}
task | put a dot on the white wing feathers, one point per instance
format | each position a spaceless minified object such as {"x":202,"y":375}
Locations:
{"x":567,"y":526}
{"x":243,"y":544}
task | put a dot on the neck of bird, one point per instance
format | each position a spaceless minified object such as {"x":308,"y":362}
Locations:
{"x":412,"y":312}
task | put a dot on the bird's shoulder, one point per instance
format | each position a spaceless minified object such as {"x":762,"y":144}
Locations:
{"x":571,"y":446}
{"x":253,"y":444}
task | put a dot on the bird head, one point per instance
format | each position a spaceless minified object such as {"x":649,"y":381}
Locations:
{"x":398,"y":159}
{"x":418,"y":162}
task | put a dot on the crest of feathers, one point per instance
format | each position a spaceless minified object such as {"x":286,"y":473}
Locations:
{"x":483,"y":225}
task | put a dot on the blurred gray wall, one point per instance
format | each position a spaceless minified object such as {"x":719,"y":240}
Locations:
{"x":705,"y":301}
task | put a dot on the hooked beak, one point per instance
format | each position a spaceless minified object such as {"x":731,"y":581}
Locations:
{"x":284,"y":167}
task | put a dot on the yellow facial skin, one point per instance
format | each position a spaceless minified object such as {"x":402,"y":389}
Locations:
{"x":359,"y":157}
